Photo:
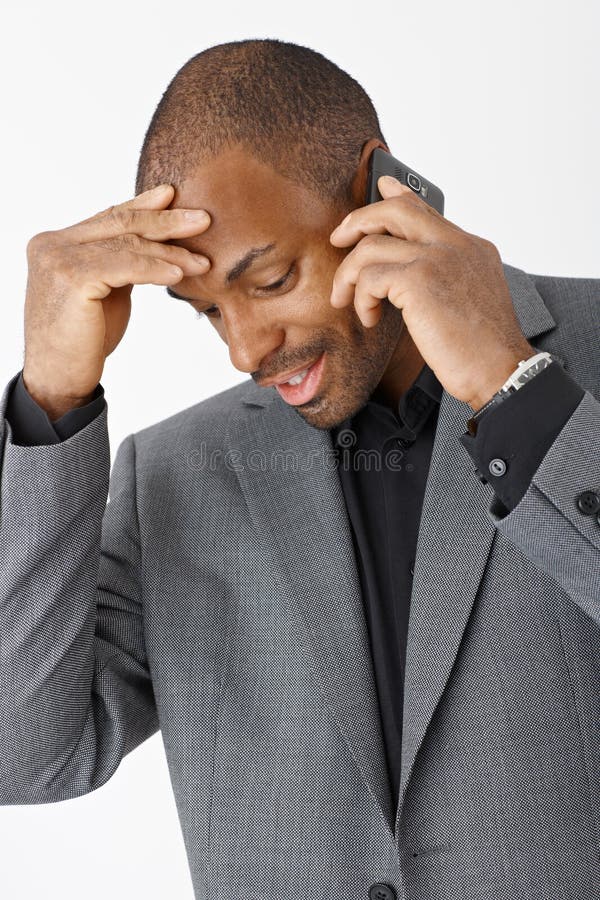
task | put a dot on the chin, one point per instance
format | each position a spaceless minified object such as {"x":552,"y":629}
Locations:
{"x":321,"y":413}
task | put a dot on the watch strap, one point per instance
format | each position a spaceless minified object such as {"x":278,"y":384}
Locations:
{"x":539,"y":361}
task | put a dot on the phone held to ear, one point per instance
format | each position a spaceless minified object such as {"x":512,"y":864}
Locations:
{"x":383,"y":163}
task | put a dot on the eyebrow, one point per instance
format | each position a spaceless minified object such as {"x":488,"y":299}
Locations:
{"x":236,"y":270}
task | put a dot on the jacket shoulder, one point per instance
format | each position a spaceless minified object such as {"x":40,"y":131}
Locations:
{"x":209,"y":417}
{"x":568,"y":296}
{"x":574,"y":303}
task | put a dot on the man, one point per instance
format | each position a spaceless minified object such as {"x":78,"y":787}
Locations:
{"x":332,"y":725}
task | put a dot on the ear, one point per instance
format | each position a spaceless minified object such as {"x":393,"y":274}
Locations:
{"x":359,"y":182}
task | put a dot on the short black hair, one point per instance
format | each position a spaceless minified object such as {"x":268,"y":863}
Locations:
{"x":287,"y":105}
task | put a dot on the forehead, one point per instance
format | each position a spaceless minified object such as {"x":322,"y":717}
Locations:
{"x":249,"y":203}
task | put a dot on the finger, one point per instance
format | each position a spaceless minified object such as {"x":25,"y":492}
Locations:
{"x":391,"y":187}
{"x":101,"y":271}
{"x":160,"y":195}
{"x":375,"y":286}
{"x":154,"y":224}
{"x":403,"y":216}
{"x":190,"y":263}
{"x":155,"y":198}
{"x":371,"y":249}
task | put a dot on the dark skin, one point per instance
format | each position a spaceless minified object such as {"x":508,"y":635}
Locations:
{"x":272,"y":332}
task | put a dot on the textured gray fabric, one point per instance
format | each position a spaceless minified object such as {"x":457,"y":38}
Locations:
{"x":221,"y":604}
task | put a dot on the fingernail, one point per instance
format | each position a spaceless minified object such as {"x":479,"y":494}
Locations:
{"x":201,"y":260}
{"x":389,"y":180}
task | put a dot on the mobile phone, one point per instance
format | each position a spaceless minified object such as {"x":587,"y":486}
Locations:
{"x":383,"y":163}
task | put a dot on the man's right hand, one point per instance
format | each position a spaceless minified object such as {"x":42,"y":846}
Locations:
{"x":79,"y":285}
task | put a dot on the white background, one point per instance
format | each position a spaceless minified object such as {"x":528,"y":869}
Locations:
{"x":495,"y":103}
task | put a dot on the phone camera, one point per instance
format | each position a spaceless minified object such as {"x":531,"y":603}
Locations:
{"x":414,"y":181}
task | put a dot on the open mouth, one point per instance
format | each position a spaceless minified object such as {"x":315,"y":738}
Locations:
{"x":303,"y":386}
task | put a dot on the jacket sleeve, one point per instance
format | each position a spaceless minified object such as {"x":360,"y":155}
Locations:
{"x":556,"y":522}
{"x":519,"y":432}
{"x":75,"y":689}
{"x":30,"y":424}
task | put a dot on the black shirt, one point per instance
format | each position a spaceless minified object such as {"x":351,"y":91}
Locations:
{"x":384,"y":498}
{"x":383,"y":461}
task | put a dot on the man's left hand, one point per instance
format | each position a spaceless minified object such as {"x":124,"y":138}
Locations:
{"x":449,"y":284}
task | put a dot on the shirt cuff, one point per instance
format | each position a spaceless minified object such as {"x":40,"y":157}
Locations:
{"x":31,"y":425}
{"x":516,"y":434}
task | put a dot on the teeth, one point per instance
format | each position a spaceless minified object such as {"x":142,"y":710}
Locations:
{"x":297,"y":378}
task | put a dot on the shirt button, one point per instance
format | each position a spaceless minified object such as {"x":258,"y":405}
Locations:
{"x":382,"y":891}
{"x":588,"y":502}
{"x":497,"y":467}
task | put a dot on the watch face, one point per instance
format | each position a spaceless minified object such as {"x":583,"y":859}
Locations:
{"x":533,"y":370}
{"x":526,"y":376}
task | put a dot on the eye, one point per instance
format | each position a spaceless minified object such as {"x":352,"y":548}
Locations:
{"x":277,"y":284}
{"x":213,"y":313}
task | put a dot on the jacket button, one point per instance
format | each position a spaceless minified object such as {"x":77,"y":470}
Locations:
{"x":381,"y":891}
{"x":588,"y":502}
{"x":497,"y":467}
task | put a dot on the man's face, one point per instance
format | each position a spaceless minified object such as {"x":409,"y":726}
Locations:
{"x":272,"y":332}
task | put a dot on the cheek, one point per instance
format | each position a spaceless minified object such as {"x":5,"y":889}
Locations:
{"x":314,"y":294}
{"x":307,"y":304}
{"x":321,"y":267}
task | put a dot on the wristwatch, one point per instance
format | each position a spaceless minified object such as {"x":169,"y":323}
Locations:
{"x":525,"y":371}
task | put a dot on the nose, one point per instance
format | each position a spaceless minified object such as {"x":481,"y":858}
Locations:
{"x":251,"y":338}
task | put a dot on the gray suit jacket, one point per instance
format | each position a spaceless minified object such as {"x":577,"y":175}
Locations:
{"x":216,"y":597}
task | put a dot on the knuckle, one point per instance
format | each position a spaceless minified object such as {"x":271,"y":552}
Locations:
{"x":39,"y":243}
{"x":129,"y":241}
{"x":109,"y":213}
{"x":164,"y":218}
{"x":369,"y":242}
{"x":105,"y":244}
{"x":490,"y":248}
{"x":465,"y":242}
{"x":119,"y":216}
{"x":142,"y":261}
{"x":127,"y":217}
{"x":130,"y":257}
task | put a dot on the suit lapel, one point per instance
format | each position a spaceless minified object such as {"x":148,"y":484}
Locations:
{"x":300,"y":507}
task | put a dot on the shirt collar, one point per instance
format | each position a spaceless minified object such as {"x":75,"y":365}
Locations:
{"x":411,"y":411}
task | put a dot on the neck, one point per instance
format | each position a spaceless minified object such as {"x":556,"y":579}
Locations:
{"x":402,"y":370}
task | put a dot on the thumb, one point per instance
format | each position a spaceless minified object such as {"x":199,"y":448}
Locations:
{"x":391,"y":187}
